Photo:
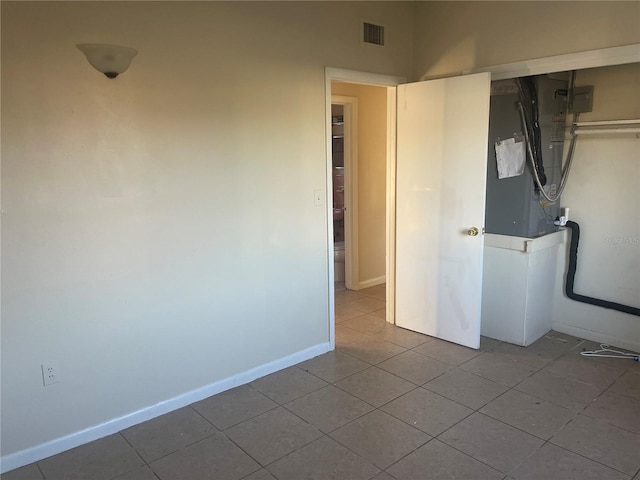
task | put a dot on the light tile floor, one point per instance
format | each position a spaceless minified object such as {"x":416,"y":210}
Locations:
{"x":391,"y":404}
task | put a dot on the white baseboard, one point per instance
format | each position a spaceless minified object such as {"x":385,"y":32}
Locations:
{"x":53,"y":447}
{"x":372,"y":282}
{"x":596,"y":337}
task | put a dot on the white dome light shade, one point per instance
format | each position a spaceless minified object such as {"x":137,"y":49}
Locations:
{"x":112,"y":60}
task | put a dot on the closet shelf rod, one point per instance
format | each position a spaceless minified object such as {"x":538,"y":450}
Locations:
{"x":607,"y":122}
{"x":608,"y":130}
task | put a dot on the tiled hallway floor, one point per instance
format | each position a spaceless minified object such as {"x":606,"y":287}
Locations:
{"x":391,"y":404}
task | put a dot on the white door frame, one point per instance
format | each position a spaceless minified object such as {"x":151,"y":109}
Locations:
{"x":363,"y":78}
{"x":351,"y":262}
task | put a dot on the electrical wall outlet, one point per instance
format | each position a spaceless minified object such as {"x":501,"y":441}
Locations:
{"x":50,"y":373}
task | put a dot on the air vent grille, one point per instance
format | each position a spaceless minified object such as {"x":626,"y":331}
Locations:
{"x":373,"y":34}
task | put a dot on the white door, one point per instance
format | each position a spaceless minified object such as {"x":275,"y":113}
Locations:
{"x":442,"y":129}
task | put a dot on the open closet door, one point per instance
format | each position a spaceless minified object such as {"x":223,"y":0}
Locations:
{"x":442,"y":128}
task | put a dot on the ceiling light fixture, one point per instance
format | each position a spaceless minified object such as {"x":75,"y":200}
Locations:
{"x":112,"y":60}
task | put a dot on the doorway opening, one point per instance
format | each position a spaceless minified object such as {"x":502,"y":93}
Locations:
{"x":359,"y":156}
{"x":361,"y":188}
{"x":359,"y":223}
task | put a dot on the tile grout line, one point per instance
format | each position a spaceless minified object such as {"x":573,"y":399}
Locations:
{"x":135,"y":450}
{"x":40,"y":470}
{"x":549,"y":442}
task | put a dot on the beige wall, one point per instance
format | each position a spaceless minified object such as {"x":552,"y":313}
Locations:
{"x":455,"y":36}
{"x":371,"y":178}
{"x":159,"y":232}
{"x":604,"y":196}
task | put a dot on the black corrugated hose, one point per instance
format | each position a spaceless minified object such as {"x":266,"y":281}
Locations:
{"x":571,"y":273}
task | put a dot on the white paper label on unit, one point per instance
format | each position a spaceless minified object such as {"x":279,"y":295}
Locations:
{"x":510,"y":157}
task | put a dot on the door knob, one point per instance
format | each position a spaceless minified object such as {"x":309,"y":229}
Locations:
{"x":473,"y":231}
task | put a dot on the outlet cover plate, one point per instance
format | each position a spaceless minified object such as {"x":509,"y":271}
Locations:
{"x":50,"y":373}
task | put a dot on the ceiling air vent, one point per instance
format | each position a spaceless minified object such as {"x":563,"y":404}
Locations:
{"x":373,"y":34}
